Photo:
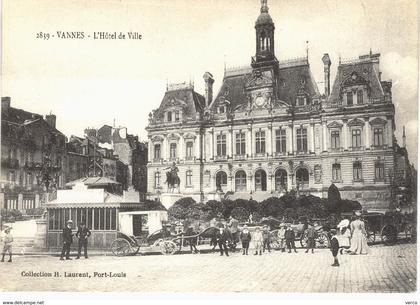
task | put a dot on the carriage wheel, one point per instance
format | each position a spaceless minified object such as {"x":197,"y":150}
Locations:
{"x":135,"y":249}
{"x":304,"y":241}
{"x":322,"y":241}
{"x":389,"y":235}
{"x":120,"y":247}
{"x":371,"y":237}
{"x":167,"y":247}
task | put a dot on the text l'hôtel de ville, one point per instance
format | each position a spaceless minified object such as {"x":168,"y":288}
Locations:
{"x":86,"y":35}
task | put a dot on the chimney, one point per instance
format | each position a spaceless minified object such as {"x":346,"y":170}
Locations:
{"x":208,"y":80}
{"x":51,"y":119}
{"x":327,"y":64}
{"x":404,"y":138}
{"x":5,"y":104}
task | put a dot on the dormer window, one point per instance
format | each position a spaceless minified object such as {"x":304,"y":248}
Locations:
{"x":177,"y":116}
{"x":359,"y":97}
{"x":169,"y":116}
{"x":350,"y":98}
{"x":301,"y":101}
{"x":222,"y":109}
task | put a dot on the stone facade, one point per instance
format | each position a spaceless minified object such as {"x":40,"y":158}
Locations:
{"x":33,"y":151}
{"x":269,"y":130}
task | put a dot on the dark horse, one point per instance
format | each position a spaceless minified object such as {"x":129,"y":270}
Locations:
{"x":172,"y":180}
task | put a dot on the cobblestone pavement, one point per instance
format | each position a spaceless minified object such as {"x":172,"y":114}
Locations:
{"x":385,"y":269}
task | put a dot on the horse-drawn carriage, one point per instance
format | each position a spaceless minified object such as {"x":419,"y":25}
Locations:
{"x":389,"y":226}
{"x":162,"y":240}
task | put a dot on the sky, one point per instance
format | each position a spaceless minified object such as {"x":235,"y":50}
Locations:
{"x":88,"y":82}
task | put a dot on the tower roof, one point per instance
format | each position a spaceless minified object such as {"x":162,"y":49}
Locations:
{"x":264,"y":17}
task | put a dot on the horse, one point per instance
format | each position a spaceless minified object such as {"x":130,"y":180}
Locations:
{"x":172,"y":181}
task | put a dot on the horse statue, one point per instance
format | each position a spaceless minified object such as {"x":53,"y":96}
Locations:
{"x":172,"y":180}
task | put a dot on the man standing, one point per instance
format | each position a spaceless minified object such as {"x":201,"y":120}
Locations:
{"x":67,"y":240}
{"x":266,"y":239}
{"x":233,"y":226}
{"x":290,"y":238}
{"x":311,"y":234}
{"x":281,"y":237}
{"x":82,"y":233}
{"x":222,"y":238}
{"x":8,"y":240}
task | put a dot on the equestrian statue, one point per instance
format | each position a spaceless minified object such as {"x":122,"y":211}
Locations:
{"x":172,"y":178}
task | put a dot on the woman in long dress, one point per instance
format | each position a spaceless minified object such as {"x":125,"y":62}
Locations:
{"x":358,"y":237}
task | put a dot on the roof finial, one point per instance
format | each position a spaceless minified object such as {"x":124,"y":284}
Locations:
{"x":307,"y":50}
{"x":264,"y":7}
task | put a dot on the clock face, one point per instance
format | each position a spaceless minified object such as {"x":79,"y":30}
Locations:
{"x":259,"y":101}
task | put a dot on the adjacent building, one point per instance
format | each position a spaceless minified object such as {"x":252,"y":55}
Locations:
{"x":268,"y":130}
{"x":33,"y":157}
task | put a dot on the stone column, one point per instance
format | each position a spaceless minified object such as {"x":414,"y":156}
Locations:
{"x":165,"y":148}
{"x":270,"y":140}
{"x":367,"y":133}
{"x":196,"y":147}
{"x":212,"y":143}
{"x":389,"y":131}
{"x":290,"y":138}
{"x":312,"y":137}
{"x":36,"y":200}
{"x":151,"y":150}
{"x":181,"y":154}
{"x":324,"y":136}
{"x":20,"y":202}
{"x":249,"y":141}
{"x":229,"y":148}
{"x":345,"y":135}
{"x":203,"y":147}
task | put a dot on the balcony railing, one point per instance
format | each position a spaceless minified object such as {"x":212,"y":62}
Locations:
{"x":221,"y":157}
{"x":356,"y":148}
{"x":379,"y":147}
{"x":279,"y":153}
{"x":240,"y":157}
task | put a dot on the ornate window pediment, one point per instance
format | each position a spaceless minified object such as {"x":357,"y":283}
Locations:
{"x":157,"y":139}
{"x":335,"y":124}
{"x":190,"y":136}
{"x":377,"y":121}
{"x":356,"y":122}
{"x":259,"y":78}
{"x":173,"y":136}
{"x":354,"y":79}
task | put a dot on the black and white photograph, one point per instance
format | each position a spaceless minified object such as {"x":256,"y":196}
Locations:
{"x":209,"y":146}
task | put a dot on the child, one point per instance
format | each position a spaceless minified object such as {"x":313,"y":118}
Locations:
{"x":280,"y":236}
{"x":257,"y":238}
{"x":8,"y":240}
{"x":245,"y":239}
{"x":334,"y":247}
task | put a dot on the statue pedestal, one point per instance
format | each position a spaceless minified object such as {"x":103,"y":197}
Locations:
{"x":168,"y":199}
{"x":41,"y":234}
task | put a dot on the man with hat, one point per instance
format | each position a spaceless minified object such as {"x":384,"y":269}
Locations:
{"x":8,"y":240}
{"x":67,"y":240}
{"x":82,"y":233}
{"x":334,"y":247}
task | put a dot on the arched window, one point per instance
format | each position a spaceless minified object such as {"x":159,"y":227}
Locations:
{"x":157,"y":179}
{"x":169,"y":116}
{"x":240,"y":181}
{"x":221,"y":180}
{"x":281,"y":180}
{"x":302,"y":178}
{"x":260,"y":180}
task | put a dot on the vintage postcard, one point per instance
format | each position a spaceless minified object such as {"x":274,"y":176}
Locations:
{"x":209,"y":146}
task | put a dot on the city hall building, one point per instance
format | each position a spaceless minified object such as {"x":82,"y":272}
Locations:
{"x":268,"y":130}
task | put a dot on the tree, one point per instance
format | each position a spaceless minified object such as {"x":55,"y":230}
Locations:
{"x":334,"y":199}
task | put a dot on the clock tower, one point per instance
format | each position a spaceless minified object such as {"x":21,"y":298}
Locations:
{"x":264,"y":30}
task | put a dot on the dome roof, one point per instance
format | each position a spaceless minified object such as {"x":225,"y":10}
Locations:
{"x":264,"y":18}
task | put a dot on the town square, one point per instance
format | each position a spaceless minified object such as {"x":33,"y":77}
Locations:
{"x":253,"y":147}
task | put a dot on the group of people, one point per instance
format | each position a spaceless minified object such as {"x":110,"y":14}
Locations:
{"x":82,"y":234}
{"x":350,"y":236}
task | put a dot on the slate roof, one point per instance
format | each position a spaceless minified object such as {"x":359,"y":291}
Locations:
{"x":192,"y":102}
{"x":367,"y":68}
{"x":291,"y":73}
{"x":24,"y":118}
